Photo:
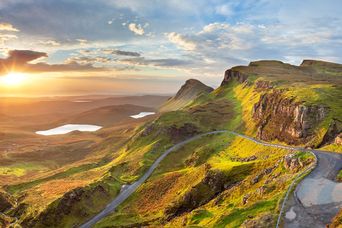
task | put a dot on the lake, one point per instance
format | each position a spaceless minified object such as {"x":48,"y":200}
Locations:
{"x":69,"y":128}
{"x":142,"y":114}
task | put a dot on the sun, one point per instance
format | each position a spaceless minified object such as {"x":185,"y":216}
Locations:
{"x":13,"y":79}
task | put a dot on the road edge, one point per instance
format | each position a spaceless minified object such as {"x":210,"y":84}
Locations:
{"x":294,"y":183}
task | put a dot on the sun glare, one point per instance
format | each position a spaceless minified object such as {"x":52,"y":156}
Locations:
{"x":13,"y":79}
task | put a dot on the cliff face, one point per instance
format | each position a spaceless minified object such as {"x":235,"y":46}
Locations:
{"x":281,"y":118}
{"x":232,"y":74}
{"x":289,"y":118}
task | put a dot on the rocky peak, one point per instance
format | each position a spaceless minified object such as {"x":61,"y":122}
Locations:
{"x":192,"y":86}
{"x":187,"y":93}
{"x":231,"y":74}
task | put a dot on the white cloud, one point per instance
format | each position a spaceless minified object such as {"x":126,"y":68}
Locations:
{"x":215,"y":26}
{"x":136,"y":28}
{"x":49,"y":43}
{"x":224,"y":10}
{"x":82,"y":41}
{"x":6,"y":37}
{"x":181,"y":41}
{"x":8,"y":27}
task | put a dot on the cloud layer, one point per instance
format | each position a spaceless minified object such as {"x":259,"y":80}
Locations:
{"x":21,"y":60}
{"x":166,"y":39}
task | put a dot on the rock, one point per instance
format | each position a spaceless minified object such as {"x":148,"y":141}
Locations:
{"x":263,"y":85}
{"x":268,"y":170}
{"x":338,"y":139}
{"x":178,"y":134}
{"x":282,"y":118}
{"x":248,"y":159}
{"x":292,"y":163}
{"x":261,"y":190}
{"x":231,"y":74}
{"x":266,"y":220}
{"x":333,"y":134}
{"x":5,"y":202}
{"x":245,"y":199}
{"x":256,"y":179}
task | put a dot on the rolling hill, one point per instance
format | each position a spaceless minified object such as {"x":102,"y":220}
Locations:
{"x":221,"y":180}
{"x":187,"y":93}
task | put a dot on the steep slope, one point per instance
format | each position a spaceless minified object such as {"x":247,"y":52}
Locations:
{"x":188,"y":92}
{"x":220,"y":180}
{"x":299,"y":105}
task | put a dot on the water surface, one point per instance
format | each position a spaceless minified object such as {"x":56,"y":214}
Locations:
{"x":69,"y":128}
{"x":142,"y":114}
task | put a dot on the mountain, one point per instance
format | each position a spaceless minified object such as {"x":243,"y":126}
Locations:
{"x":293,"y":104}
{"x":71,"y":105}
{"x":222,"y":179}
{"x":187,"y":93}
{"x":108,"y":115}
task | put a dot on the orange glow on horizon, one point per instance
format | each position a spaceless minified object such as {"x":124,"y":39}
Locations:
{"x":13,"y":79}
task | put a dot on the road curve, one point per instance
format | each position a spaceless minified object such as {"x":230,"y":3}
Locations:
{"x":131,"y":188}
{"x":324,"y":170}
{"x":318,"y":198}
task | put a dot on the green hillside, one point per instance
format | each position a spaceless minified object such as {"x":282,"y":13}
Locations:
{"x":219,"y":180}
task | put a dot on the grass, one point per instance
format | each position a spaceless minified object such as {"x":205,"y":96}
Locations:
{"x":238,"y":215}
{"x":339,"y":176}
{"x":23,"y":186}
{"x":182,"y":171}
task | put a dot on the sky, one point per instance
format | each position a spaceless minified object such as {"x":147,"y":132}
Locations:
{"x":74,"y":47}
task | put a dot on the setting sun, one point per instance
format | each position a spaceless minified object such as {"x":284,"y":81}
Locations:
{"x":13,"y":79}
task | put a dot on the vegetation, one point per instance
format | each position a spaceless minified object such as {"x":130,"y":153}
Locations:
{"x":339,"y":176}
{"x":218,"y":180}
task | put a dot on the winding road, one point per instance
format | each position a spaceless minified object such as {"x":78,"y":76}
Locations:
{"x":316,"y":198}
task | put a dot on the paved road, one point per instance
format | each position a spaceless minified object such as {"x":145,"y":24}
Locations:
{"x":317,"y":199}
{"x":324,"y":168}
{"x":131,"y":188}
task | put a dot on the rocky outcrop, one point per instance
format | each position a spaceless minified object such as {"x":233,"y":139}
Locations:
{"x":68,"y":205}
{"x":266,"y":220}
{"x":333,"y":134}
{"x":293,"y":163}
{"x":181,"y":133}
{"x":5,"y":202}
{"x":231,"y":74}
{"x":281,"y":118}
{"x":261,"y":84}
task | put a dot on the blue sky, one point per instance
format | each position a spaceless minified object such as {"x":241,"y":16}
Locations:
{"x":162,"y":43}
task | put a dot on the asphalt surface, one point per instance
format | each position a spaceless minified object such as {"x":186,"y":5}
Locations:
{"x":317,"y":198}
{"x":299,"y":215}
{"x":124,"y":194}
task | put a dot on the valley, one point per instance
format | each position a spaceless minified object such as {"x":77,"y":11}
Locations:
{"x":223,"y":157}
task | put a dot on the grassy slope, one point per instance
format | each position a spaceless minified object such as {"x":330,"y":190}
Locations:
{"x":183,"y":170}
{"x":227,"y":107}
{"x":310,"y":85}
{"x":178,"y":173}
